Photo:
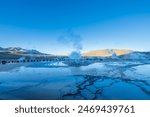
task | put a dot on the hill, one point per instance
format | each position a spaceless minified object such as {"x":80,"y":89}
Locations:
{"x":107,"y":52}
{"x":17,"y":52}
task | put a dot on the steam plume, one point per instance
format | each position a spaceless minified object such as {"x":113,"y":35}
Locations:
{"x":71,"y":38}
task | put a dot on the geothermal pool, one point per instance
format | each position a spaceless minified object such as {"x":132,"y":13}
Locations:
{"x":56,"y":80}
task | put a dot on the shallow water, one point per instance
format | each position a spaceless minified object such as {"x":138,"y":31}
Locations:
{"x":48,"y":80}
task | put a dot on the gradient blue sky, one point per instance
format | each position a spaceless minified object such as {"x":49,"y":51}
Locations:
{"x":37,"y":24}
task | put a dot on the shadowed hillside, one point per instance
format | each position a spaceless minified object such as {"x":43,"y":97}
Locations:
{"x":17,"y":52}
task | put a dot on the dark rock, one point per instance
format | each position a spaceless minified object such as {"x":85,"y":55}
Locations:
{"x":4,"y":62}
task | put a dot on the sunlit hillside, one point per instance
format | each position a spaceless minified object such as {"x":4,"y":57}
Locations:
{"x":107,"y":52}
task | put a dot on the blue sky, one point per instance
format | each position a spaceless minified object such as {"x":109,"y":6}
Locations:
{"x":37,"y":24}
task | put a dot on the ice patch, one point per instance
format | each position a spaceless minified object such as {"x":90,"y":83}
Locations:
{"x":141,"y":72}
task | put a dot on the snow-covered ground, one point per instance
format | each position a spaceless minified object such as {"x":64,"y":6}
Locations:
{"x":59,"y":80}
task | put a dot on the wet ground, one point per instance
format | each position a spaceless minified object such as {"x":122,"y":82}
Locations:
{"x":97,"y":81}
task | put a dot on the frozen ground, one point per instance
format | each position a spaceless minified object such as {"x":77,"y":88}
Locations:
{"x":57,"y":80}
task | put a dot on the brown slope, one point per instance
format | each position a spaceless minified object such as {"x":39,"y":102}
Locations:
{"x":107,"y":52}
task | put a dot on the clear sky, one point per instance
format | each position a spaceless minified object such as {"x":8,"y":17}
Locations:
{"x":38,"y":24}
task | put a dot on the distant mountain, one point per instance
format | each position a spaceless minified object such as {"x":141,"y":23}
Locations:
{"x":107,"y":52}
{"x":17,"y":52}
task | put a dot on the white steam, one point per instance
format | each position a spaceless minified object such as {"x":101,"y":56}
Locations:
{"x":73,"y":39}
{"x":75,"y":55}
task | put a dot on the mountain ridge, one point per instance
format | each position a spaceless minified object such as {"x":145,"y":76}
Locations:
{"x":18,"y":52}
{"x":107,"y":52}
